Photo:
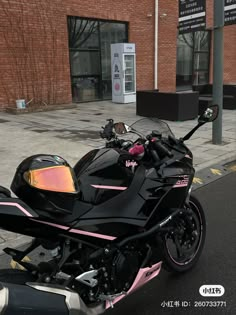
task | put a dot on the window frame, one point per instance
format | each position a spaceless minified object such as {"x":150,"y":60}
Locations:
{"x":99,"y":49}
{"x":194,"y":53}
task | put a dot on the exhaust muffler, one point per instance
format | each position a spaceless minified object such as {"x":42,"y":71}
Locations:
{"x":39,"y":299}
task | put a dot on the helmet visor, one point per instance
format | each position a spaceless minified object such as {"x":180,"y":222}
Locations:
{"x":55,"y":178}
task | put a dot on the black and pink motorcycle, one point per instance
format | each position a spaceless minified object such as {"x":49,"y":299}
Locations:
{"x":110,"y":223}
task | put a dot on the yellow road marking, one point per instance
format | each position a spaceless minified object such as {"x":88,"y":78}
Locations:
{"x":233,"y":168}
{"x":16,"y":265}
{"x":197,"y":180}
{"x":216,"y":171}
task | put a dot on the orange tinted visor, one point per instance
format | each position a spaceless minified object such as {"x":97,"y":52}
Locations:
{"x":55,"y":178}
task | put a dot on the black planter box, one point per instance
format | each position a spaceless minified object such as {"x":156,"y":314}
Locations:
{"x":204,"y":102}
{"x":177,"y":106}
{"x":229,"y":94}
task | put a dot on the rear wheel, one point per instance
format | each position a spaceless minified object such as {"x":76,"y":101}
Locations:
{"x":15,"y":276}
{"x":182,"y":249}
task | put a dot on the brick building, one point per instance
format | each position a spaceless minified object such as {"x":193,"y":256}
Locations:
{"x":54,"y":52}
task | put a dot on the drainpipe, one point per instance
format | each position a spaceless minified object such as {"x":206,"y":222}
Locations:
{"x":156,"y":46}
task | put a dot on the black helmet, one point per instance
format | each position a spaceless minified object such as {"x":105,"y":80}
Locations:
{"x":46,"y":182}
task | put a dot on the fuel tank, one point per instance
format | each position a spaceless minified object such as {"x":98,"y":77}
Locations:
{"x":104,"y":174}
{"x":126,"y":193}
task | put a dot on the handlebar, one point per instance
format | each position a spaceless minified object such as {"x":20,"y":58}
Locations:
{"x":156,"y":148}
{"x":154,"y":156}
{"x":119,"y":143}
{"x":162,"y":151}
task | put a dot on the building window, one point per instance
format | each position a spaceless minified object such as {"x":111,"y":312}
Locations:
{"x":90,"y":56}
{"x":193,"y":55}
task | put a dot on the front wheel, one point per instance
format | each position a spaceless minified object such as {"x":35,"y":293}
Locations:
{"x":182,"y":248}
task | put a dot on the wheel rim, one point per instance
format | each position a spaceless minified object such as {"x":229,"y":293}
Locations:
{"x":183,"y":249}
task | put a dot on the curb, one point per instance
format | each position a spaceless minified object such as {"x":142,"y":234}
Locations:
{"x":213,"y":172}
{"x":228,"y":157}
{"x":37,"y":109}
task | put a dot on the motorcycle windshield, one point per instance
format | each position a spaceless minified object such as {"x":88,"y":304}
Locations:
{"x":147,"y":125}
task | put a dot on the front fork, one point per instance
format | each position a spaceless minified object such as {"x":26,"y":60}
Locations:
{"x":189,"y":194}
{"x":180,"y":228}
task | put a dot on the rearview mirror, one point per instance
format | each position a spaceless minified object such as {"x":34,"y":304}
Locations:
{"x":210,"y":114}
{"x":121,"y":128}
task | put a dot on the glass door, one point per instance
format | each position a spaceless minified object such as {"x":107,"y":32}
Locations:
{"x":110,"y":33}
{"x":193,"y":56}
{"x":90,"y":56}
{"x":129,"y":74}
{"x":201,"y":58}
{"x":184,"y":68}
{"x":84,"y":59}
{"x":85,"y":72}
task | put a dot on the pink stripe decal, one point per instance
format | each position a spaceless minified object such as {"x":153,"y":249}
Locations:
{"x":18,"y":206}
{"x":66,"y":228}
{"x":109,"y":187}
{"x":143,"y":276}
{"x":181,"y":183}
{"x":179,"y":176}
{"x":105,"y":237}
{"x":62,"y":227}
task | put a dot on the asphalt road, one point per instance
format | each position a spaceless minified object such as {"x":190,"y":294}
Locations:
{"x":216,"y":266}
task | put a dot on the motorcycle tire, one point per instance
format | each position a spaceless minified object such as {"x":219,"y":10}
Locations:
{"x":169,"y":262}
{"x":15,"y":276}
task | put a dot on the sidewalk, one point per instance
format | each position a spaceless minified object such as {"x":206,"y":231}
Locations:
{"x":73,"y":132}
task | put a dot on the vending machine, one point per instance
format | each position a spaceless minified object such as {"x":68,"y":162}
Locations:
{"x":123,"y":64}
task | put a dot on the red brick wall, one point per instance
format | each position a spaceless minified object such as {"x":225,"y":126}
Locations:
{"x":33,"y":52}
{"x":168,"y":19}
{"x":229,"y":47}
{"x":209,"y":22}
{"x":230,"y":54}
{"x":34,"y":56}
{"x":209,"y":9}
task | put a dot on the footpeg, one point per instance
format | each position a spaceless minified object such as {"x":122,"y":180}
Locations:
{"x":17,"y":255}
{"x":87,"y":278}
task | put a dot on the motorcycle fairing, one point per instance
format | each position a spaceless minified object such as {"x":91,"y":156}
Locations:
{"x":16,"y":207}
{"x":79,"y":209}
{"x":124,"y":205}
{"x":143,"y":276}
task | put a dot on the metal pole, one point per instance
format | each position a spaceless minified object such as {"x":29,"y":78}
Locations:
{"x":218,"y":68}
